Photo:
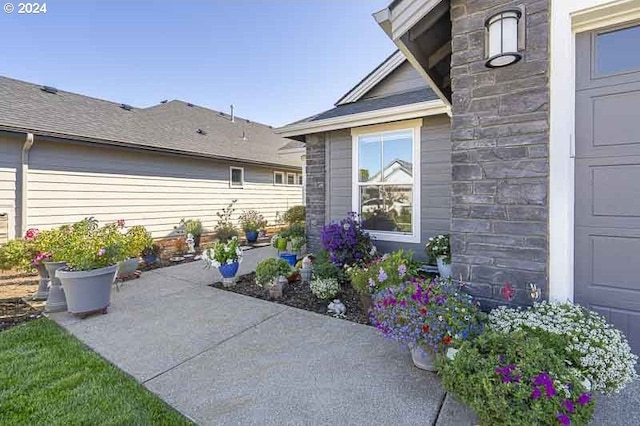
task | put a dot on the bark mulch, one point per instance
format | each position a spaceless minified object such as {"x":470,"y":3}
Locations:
{"x":15,"y":311}
{"x":298,"y":295}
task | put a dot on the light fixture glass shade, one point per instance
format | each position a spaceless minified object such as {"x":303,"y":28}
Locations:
{"x":503,"y":39}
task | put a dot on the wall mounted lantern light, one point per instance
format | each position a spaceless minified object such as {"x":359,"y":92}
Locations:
{"x":505,"y":37}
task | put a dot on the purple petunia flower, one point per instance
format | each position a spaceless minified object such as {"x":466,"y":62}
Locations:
{"x":402,"y":270}
{"x":551,"y":391}
{"x":382,"y":275}
{"x":542,"y":379}
{"x":584,"y":399}
{"x":535,"y":394}
{"x":563,"y":419}
{"x":371,"y":283}
{"x":568,"y":404}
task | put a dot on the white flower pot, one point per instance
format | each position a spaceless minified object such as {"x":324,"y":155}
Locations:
{"x":305,"y":274}
{"x":88,"y":291}
{"x":444,"y":269}
{"x":423,"y":359}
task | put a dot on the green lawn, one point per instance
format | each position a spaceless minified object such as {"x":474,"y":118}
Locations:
{"x":49,"y":377}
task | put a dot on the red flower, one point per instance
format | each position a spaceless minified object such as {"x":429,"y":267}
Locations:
{"x":423,"y":310}
{"x":447,"y":340}
{"x":508,"y":292}
{"x":425,"y":328}
{"x":121,"y":223}
{"x":31,"y":234}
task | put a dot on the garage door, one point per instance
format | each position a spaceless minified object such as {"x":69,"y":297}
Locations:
{"x":607,"y":152}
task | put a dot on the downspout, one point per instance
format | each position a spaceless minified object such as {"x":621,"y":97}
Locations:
{"x":24,"y":178}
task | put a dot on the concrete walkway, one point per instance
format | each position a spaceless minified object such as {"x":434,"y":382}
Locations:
{"x":225,"y":359}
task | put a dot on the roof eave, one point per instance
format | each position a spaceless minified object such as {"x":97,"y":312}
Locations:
{"x":124,"y":144}
{"x":402,"y":112}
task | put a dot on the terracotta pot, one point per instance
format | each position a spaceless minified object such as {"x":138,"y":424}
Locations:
{"x":293,"y":277}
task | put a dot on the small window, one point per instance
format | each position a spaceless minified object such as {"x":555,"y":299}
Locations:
{"x":278,"y":178}
{"x":291,"y":178}
{"x":615,"y":51}
{"x":236,"y":176}
{"x":300,"y":181}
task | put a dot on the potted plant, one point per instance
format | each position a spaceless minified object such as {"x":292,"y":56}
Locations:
{"x":151,"y":254}
{"x":92,"y":254}
{"x":428,"y":316}
{"x":193,"y":227}
{"x":251,"y":222}
{"x":439,"y":248}
{"x":271,"y":273}
{"x":24,"y":254}
{"x":279,"y":242}
{"x":226,"y":256}
{"x":306,"y":270}
{"x":137,"y":239}
{"x":224,"y":228}
{"x":51,"y":242}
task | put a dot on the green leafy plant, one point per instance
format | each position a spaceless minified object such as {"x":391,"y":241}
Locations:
{"x":15,"y":254}
{"x":252,"y":221}
{"x":439,"y":246}
{"x":324,"y":269}
{"x":270,"y":269}
{"x":390,"y":270}
{"x":324,"y":288}
{"x":224,"y":228}
{"x":191,"y":226}
{"x":294,"y":214}
{"x":87,"y":246}
{"x":223,"y":253}
{"x":294,"y":230}
{"x":515,"y":379}
{"x":137,"y":240}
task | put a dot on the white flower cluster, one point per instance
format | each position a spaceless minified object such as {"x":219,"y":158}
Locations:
{"x":324,"y":289}
{"x":605,"y":359}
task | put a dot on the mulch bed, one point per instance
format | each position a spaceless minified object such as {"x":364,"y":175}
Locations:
{"x":298,"y":295}
{"x":16,"y":311}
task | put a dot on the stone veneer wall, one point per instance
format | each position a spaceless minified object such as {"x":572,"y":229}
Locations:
{"x":500,"y":168}
{"x":315,"y":189}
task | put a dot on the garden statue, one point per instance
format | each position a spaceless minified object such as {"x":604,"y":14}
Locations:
{"x":191,"y":242}
{"x":337,"y":308}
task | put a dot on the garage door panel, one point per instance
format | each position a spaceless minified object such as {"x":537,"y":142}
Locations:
{"x":609,"y":121}
{"x":608,"y":192}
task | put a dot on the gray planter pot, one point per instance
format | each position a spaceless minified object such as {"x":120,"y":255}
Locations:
{"x":423,"y":359}
{"x":88,"y":291}
{"x":305,"y":274}
{"x":444,"y":269}
{"x":43,"y":284}
{"x":56,"y":300}
{"x":128,"y":267}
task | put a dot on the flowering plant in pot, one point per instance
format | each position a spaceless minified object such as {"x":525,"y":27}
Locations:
{"x":428,"y":316}
{"x":347,"y":242}
{"x":271,"y":274}
{"x":136,"y":240}
{"x":92,"y":254}
{"x":439,"y":248}
{"x":595,"y":351}
{"x":226,"y":256}
{"x":516,"y":378}
{"x":279,"y":242}
{"x":193,"y":227}
{"x":251,"y":222}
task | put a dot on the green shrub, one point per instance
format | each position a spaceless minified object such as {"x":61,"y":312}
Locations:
{"x":138,"y":239}
{"x":15,"y":254}
{"x":270,"y":269}
{"x":516,"y":379}
{"x":324,"y":269}
{"x":391,"y":270}
{"x":191,"y":226}
{"x":292,"y":231}
{"x":294,"y":214}
{"x":224,"y":228}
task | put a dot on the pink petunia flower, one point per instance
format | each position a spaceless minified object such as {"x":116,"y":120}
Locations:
{"x":102,"y":252}
{"x":31,"y":234}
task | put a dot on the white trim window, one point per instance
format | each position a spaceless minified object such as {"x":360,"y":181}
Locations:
{"x":291,"y":178}
{"x":386,"y":180}
{"x":236,"y":177}
{"x":278,"y":178}
{"x":300,"y":179}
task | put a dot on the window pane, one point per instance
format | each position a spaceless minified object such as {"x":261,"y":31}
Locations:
{"x":291,"y":179}
{"x":300,"y":180}
{"x":616,"y":51}
{"x":370,"y":158}
{"x":387,"y":208}
{"x":236,"y":176}
{"x":398,"y":157}
{"x":279,"y":178}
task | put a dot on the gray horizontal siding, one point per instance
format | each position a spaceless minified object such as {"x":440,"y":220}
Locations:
{"x":435,"y":213}
{"x":403,"y":79}
{"x":10,"y":148}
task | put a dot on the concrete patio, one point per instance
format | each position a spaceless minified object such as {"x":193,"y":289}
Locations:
{"x":222,"y":358}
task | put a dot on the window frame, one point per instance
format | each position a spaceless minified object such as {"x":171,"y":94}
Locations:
{"x":413,"y":126}
{"x":275,"y":173}
{"x":299,"y":179}
{"x":294,"y":179}
{"x":231,"y":183}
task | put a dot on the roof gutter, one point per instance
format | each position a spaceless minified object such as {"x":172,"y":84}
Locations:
{"x":403,"y":112}
{"x":107,"y":142}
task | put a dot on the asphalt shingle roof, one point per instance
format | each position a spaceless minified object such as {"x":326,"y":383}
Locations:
{"x":171,"y":126}
{"x":399,"y":99}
